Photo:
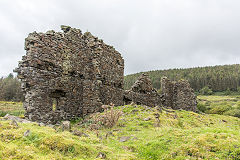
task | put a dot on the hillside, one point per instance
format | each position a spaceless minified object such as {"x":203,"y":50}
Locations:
{"x":218,"y":78}
{"x":138,"y":134}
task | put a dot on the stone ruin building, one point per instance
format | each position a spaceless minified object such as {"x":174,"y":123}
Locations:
{"x":69,"y":74}
{"x":176,"y":95}
{"x":142,"y":92}
{"x":66,"y":75}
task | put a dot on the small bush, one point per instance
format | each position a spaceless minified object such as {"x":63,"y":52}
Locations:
{"x":208,"y":103}
{"x":108,"y":118}
{"x":201,"y":107}
{"x":237,"y":106}
{"x":2,"y":113}
{"x":234,"y":113}
{"x":220,"y":109}
{"x":206,"y":91}
{"x":238,"y":90}
{"x":227,"y":92}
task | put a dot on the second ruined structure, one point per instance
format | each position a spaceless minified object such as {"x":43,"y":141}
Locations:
{"x":142,"y":92}
{"x":176,"y":95}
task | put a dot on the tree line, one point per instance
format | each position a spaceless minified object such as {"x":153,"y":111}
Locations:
{"x":10,"y":89}
{"x":217,"y":78}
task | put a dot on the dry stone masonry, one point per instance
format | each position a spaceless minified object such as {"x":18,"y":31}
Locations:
{"x":178,"y":95}
{"x":142,"y":92}
{"x":68,"y":74}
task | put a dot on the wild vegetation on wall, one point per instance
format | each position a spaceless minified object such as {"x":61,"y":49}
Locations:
{"x":217,"y":78}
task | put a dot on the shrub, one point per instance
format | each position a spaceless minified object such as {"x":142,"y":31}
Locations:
{"x":201,"y":107}
{"x":237,"y":105}
{"x":108,"y":118}
{"x":238,"y":90}
{"x":206,"y":91}
{"x":220,"y":109}
{"x":227,"y":92}
{"x":234,"y":113}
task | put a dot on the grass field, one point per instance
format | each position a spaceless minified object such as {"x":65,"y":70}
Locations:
{"x":176,"y":135}
{"x":13,"y":108}
{"x":223,"y":105}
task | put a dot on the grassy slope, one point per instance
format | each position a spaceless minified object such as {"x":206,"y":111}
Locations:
{"x":181,"y":135}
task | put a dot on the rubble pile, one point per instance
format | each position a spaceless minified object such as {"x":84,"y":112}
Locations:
{"x":142,"y":92}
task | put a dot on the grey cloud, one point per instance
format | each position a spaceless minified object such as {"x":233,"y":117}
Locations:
{"x":150,"y":34}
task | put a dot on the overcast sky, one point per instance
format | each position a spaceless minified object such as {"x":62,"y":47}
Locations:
{"x":150,"y":34}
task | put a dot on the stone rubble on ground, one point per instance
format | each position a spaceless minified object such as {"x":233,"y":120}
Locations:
{"x":41,"y":124}
{"x":14,"y":123}
{"x":101,"y":155}
{"x":147,"y":119}
{"x":79,"y":133}
{"x":66,"y":126}
{"x":124,"y":139}
{"x":27,"y":133}
{"x":15,"y":118}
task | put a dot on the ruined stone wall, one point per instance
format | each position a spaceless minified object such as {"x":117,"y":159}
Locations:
{"x":68,"y":74}
{"x":184,"y":96}
{"x":142,"y":92}
{"x":178,"y":95}
{"x":167,"y":92}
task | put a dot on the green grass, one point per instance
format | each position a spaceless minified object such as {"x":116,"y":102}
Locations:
{"x":13,"y":108}
{"x":180,"y":135}
{"x":224,"y":105}
{"x":218,"y":98}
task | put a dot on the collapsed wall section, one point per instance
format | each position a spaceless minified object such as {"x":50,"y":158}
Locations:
{"x":68,"y":74}
{"x":178,"y":95}
{"x":142,"y":92}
